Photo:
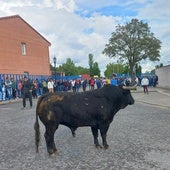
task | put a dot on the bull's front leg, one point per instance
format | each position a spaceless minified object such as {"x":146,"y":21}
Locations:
{"x":95,"y":136}
{"x":49,"y":138}
{"x":103,"y":132}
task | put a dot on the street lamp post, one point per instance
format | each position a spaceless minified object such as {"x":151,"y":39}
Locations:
{"x":55,"y":60}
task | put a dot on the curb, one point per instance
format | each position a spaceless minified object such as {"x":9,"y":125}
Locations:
{"x":160,"y":91}
{"x":152,"y":90}
{"x":10,"y":101}
{"x":153,"y":104}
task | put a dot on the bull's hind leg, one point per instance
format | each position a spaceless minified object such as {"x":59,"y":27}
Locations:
{"x":49,"y":138}
{"x":95,"y":136}
{"x":73,"y":130}
{"x":103,"y":132}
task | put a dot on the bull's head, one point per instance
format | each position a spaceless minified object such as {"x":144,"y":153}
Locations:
{"x":127,"y":97}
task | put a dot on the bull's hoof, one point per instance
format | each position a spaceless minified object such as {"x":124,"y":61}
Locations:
{"x":106,"y":146}
{"x":98,"y":146}
{"x":53,"y":154}
{"x":74,"y":135}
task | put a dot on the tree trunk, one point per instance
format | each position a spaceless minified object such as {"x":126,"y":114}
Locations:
{"x":132,"y":74}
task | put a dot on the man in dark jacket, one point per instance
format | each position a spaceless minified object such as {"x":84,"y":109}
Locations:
{"x":27,"y":91}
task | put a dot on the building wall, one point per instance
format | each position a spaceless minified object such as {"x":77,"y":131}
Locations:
{"x":14,"y":31}
{"x":163,"y":74}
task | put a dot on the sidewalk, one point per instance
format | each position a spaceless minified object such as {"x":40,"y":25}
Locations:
{"x":10,"y":101}
{"x":157,"y":97}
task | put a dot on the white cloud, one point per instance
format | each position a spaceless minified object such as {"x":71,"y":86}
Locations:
{"x":157,"y":15}
{"x":74,"y":36}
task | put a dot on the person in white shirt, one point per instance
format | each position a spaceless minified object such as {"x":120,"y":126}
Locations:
{"x":145,"y":83}
{"x":50,"y":86}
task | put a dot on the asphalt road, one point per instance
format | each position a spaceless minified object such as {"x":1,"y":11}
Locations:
{"x":139,"y":139}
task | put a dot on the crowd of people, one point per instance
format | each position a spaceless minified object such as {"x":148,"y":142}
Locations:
{"x":32,"y":88}
{"x":12,"y":89}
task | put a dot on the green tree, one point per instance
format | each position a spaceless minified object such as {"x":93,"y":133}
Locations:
{"x":82,"y":70}
{"x":93,"y":66}
{"x":138,"y":69}
{"x":153,"y":71}
{"x":132,"y":43}
{"x":96,"y":70}
{"x":118,"y":68}
{"x":158,"y":66}
{"x":69,"y":68}
{"x":91,"y":63}
{"x":110,"y":69}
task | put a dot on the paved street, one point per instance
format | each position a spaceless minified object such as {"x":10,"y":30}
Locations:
{"x":139,"y":139}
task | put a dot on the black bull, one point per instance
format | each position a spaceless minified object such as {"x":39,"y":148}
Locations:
{"x":92,"y":108}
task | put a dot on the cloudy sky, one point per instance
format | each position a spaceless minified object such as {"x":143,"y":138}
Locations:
{"x":77,"y":28}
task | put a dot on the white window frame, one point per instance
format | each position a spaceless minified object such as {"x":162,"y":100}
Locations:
{"x":23,"y":48}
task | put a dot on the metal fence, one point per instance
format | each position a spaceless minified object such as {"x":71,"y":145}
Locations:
{"x":18,"y":77}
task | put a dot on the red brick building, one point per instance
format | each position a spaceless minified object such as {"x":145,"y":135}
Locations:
{"x":22,"y":49}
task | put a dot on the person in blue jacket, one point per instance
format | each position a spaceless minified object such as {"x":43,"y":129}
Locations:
{"x":113,"y":80}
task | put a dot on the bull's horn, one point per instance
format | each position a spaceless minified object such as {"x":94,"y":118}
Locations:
{"x":129,"y":87}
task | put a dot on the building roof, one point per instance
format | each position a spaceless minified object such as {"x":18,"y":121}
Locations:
{"x":17,"y":16}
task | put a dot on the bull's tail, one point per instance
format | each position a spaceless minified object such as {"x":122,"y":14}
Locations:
{"x":37,"y":133}
{"x":37,"y":127}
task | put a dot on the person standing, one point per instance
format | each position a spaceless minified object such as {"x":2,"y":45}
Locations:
{"x":77,"y":85}
{"x":145,"y":83}
{"x":50,"y":86}
{"x":34,"y":90}
{"x":14,"y":91}
{"x":40,"y":86}
{"x":3,"y":92}
{"x":114,"y":81}
{"x":73,"y":85}
{"x":155,"y":80}
{"x":99,"y":83}
{"x":107,"y":81}
{"x":19,"y":89}
{"x":92,"y":83}
{"x":8,"y":85}
{"x":27,"y":87}
{"x":84,"y":84}
{"x":44,"y":84}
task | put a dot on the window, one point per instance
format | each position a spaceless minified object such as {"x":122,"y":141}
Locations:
{"x":23,"y":48}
